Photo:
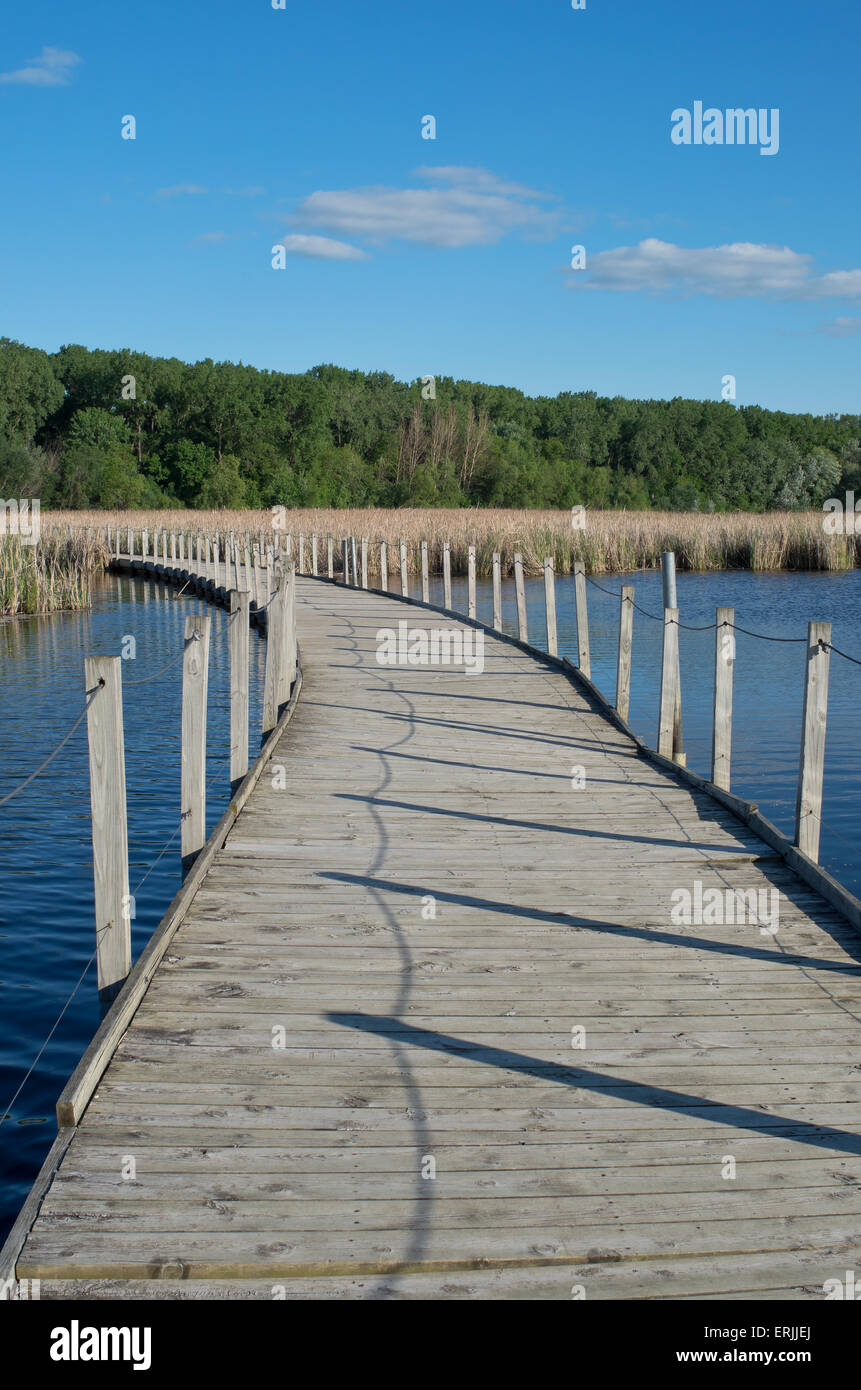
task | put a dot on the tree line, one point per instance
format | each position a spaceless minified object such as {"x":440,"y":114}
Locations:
{"x":90,"y":428}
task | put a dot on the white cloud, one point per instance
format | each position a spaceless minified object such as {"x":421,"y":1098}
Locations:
{"x":178,"y":190}
{"x":842,"y":328}
{"x":209,"y":237}
{"x":51,"y":69}
{"x":738,"y":269}
{"x":322,"y":248}
{"x":474,"y":209}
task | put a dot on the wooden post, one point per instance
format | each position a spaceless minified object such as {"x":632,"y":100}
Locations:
{"x":118,"y":542}
{"x":273,"y":680}
{"x":239,"y":611}
{"x":345,"y":560}
{"x":195,"y":677}
{"x":182,"y":549}
{"x":626,"y":641}
{"x":811,"y":767}
{"x":520,"y":593}
{"x":470,"y":581}
{"x":355,"y":561}
{"x":446,"y":575}
{"x":103,"y":674}
{"x":722,"y":726}
{"x":550,"y":606}
{"x":301,"y":552}
{"x":405,"y":582}
{"x":384,"y":567}
{"x":668,"y":581}
{"x":364,"y":562}
{"x":330,"y":557}
{"x":425,"y":574}
{"x":288,"y":674}
{"x":314,"y":556}
{"x":583,"y":655}
{"x":144,"y":543}
{"x":131,"y":541}
{"x":497,"y":592}
{"x":669,"y":678}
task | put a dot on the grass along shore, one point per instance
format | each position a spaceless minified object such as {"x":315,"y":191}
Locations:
{"x":51,"y":577}
{"x":609,"y":541}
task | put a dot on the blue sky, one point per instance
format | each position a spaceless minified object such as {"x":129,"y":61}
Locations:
{"x":257,"y":126}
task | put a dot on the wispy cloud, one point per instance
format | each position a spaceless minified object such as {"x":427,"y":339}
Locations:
{"x":841,"y":328}
{"x":469,"y":207}
{"x":52,"y":68}
{"x":736,"y":270}
{"x":179,"y":190}
{"x":209,"y":238}
{"x":322,"y":248}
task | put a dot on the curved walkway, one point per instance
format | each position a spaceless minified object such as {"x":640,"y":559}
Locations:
{"x":431,"y":1028}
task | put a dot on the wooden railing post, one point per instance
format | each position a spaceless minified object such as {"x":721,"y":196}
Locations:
{"x":669,"y":680}
{"x":550,"y":606}
{"x":520,"y":594}
{"x":384,"y":567}
{"x":130,"y":540}
{"x":301,"y":552}
{"x":355,"y":560}
{"x":497,"y":591}
{"x":626,"y":641}
{"x":364,"y":562}
{"x":314,"y":556}
{"x":292,"y":644}
{"x":470,"y":581}
{"x":144,"y":544}
{"x":103,"y":676}
{"x":425,"y":574}
{"x":811,"y":769}
{"x":583,"y":654}
{"x":330,"y":557}
{"x":446,"y":575}
{"x":405,"y":582}
{"x":195,"y":678}
{"x":238,"y":641}
{"x":668,"y":582}
{"x":722,"y":725}
{"x":276,"y":655}
{"x":345,"y":560}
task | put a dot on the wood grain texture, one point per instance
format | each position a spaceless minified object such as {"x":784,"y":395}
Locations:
{"x":430,"y":1029}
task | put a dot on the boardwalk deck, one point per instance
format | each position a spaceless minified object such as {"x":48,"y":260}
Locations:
{"x":384,"y":967}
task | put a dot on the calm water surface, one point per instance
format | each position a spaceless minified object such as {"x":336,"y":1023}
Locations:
{"x":46,"y":889}
{"x":46,"y":877}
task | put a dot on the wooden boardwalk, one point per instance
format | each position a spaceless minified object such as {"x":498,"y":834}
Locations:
{"x":355,"y":1072}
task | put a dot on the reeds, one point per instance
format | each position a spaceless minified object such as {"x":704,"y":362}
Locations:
{"x":51,"y":576}
{"x":609,"y":542}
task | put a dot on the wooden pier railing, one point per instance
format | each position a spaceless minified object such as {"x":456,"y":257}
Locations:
{"x":257,"y":586}
{"x":249,"y":563}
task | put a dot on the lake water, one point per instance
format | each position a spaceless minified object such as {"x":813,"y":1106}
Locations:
{"x":46,"y":889}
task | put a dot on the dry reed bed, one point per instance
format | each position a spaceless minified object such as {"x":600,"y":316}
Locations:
{"x":51,"y":576}
{"x":609,"y":542}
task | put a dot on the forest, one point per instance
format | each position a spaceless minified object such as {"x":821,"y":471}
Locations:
{"x":86,"y":428}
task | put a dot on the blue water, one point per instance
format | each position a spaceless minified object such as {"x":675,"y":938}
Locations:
{"x":46,"y":891}
{"x":46,"y":884}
